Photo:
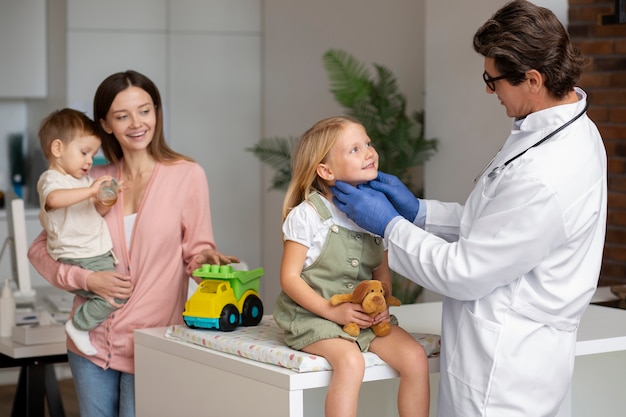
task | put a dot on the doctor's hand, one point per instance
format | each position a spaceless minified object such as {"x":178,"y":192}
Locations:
{"x":366,"y":207}
{"x":398,"y":194}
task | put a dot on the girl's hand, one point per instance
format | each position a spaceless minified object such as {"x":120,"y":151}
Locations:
{"x":110,"y":285}
{"x":381,"y":317}
{"x":345,"y":313}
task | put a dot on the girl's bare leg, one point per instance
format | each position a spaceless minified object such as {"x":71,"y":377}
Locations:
{"x":400,"y":351}
{"x":348,"y":370}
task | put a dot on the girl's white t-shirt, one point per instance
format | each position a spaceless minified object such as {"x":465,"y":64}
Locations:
{"x":305,"y":226}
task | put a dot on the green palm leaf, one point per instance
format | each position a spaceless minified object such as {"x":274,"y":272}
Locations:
{"x":349,"y":79}
{"x":276,"y":152}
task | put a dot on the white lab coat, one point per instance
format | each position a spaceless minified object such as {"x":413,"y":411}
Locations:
{"x":518,"y":267}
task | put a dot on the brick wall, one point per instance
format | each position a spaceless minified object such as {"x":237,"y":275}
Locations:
{"x":605,"y":82}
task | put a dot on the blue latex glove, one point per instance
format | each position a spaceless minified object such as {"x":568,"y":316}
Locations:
{"x":366,"y":207}
{"x":398,"y":194}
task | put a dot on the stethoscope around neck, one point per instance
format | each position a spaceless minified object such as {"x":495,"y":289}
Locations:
{"x":497,"y":170}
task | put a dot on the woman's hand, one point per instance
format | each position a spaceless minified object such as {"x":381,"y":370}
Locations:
{"x":213,"y":257}
{"x":110,"y":285}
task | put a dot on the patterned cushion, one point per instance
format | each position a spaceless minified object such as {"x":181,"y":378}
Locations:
{"x":264,"y":343}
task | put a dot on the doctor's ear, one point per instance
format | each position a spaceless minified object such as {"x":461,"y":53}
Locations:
{"x":325,"y":172}
{"x":535,"y":79}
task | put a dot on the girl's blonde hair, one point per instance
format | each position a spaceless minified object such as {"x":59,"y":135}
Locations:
{"x":311,"y":150}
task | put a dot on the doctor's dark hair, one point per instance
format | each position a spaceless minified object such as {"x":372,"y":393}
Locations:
{"x":311,"y":150}
{"x":106,"y":93}
{"x":521,"y":37}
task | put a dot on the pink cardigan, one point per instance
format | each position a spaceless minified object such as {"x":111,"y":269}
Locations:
{"x":173,"y":224}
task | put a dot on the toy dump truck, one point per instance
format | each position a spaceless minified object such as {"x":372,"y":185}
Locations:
{"x":226,"y":298}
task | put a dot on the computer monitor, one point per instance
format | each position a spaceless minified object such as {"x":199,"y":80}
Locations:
{"x":18,"y":247}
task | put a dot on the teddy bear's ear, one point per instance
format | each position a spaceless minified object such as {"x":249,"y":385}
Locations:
{"x":359,"y":293}
{"x":386,"y":288}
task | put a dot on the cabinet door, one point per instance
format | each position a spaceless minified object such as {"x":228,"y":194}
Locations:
{"x":23,"y":63}
{"x":215,"y":51}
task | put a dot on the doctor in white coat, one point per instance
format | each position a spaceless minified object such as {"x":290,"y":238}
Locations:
{"x":519,"y":262}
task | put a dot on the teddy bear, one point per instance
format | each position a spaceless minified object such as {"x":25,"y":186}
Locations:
{"x":374,"y":296}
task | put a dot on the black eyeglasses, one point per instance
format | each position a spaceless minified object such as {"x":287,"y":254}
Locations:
{"x":491,"y":82}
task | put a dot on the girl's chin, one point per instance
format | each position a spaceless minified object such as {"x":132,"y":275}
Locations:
{"x":354,"y":182}
{"x":357,"y":183}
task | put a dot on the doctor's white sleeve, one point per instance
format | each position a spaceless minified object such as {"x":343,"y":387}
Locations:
{"x":509,"y":237}
{"x":443,"y":219}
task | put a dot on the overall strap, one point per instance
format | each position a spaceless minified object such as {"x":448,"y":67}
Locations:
{"x":315,"y":199}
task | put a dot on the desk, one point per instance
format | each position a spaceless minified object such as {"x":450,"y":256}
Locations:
{"x":172,"y":377}
{"x":37,"y":379}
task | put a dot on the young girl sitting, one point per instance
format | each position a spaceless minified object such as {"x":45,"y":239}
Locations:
{"x":325,"y":253}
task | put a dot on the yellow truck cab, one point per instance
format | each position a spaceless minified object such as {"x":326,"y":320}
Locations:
{"x":226,"y":298}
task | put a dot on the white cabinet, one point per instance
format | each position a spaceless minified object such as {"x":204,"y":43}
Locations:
{"x":215,"y":110}
{"x":94,"y":55}
{"x":23,"y":60}
{"x":102,"y":40}
{"x":125,"y":15}
{"x":217,"y":16}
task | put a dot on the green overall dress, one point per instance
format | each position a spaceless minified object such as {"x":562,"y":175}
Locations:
{"x":347,"y":258}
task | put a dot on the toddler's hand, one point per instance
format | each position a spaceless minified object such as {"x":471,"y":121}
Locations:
{"x":97,"y":183}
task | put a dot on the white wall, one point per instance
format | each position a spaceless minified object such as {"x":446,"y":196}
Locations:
{"x":205,"y":57}
{"x":471,"y":125}
{"x":426,"y":44}
{"x":296,"y":35}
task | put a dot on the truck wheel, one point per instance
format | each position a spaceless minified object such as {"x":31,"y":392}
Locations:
{"x":229,"y":319}
{"x":252,"y":311}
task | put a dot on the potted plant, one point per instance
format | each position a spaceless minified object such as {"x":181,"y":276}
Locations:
{"x":376,"y":103}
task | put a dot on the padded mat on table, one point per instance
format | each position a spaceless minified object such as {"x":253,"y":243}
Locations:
{"x":264,"y":343}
